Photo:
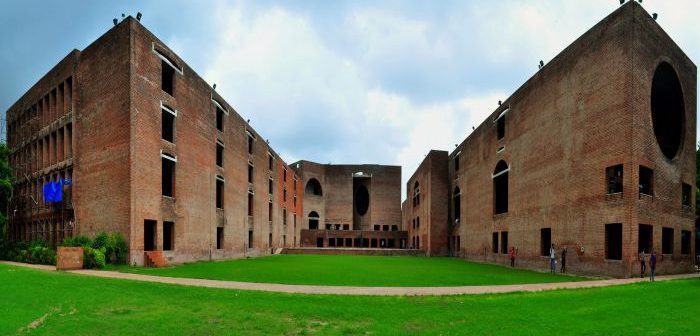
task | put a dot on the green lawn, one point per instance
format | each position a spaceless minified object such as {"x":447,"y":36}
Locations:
{"x":355,"y":271}
{"x":57,"y":303}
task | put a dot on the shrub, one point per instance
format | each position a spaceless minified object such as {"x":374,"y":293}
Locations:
{"x":77,"y":241}
{"x":93,"y":258}
{"x":117,"y":249}
{"x":34,"y":252}
{"x":100,"y":241}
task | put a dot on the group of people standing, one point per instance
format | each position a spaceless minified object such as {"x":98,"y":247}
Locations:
{"x":512,"y":253}
{"x":553,"y":260}
{"x":643,"y":265}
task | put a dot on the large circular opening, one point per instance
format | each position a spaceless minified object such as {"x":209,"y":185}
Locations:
{"x":361,"y":200}
{"x":667,"y":109}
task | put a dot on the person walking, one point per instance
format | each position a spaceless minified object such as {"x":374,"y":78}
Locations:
{"x":652,"y":266}
{"x":511,"y":254}
{"x":563,"y":260}
{"x":642,"y":264}
{"x":552,"y":260}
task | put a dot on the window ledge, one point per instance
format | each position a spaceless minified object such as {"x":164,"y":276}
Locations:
{"x":618,"y":196}
{"x":646,"y":197}
{"x":613,"y":261}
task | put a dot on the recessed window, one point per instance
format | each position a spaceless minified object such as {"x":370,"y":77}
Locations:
{"x":219,"y":119}
{"x":456,"y":162}
{"x":313,"y":187}
{"x":168,"y":175}
{"x":270,"y":161}
{"x":613,"y":176}
{"x":645,"y":238}
{"x":251,"y":140}
{"x":219,"y":192}
{"x":545,"y":241}
{"x":504,"y":242}
{"x":500,"y":188}
{"x":613,"y":241}
{"x":219,"y":154}
{"x":685,"y":242}
{"x":687,"y":194}
{"x":250,"y":204}
{"x":457,"y":204}
{"x":168,"y":124}
{"x":168,"y":236}
{"x":270,"y":186}
{"x":284,"y":216}
{"x":250,"y":172}
{"x":501,"y":127}
{"x":219,"y":238}
{"x":284,"y":194}
{"x":494,"y":242}
{"x":646,"y":181}
{"x":377,"y":227}
{"x":269,"y":211}
{"x":167,"y":78}
{"x":250,"y":239}
{"x":667,"y":240}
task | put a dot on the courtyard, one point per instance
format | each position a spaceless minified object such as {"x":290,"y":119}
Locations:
{"x":40,"y":302}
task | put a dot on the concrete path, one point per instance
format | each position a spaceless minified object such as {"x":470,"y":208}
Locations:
{"x":349,"y":290}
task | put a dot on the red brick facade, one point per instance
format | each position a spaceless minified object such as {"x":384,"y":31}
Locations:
{"x":99,"y":117}
{"x":585,"y":111}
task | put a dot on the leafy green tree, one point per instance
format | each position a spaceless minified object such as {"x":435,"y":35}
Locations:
{"x":5,"y":186}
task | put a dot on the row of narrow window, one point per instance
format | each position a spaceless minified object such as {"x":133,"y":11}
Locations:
{"x":614,"y":183}
{"x":613,"y":241}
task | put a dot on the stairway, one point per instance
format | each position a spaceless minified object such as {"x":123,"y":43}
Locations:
{"x":155,"y":259}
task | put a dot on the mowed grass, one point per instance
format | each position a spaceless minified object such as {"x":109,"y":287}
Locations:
{"x":348,"y":270}
{"x":56,"y":303}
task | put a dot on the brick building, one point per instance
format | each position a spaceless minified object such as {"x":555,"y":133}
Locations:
{"x":595,"y":153}
{"x":153,"y":152}
{"x":351,"y":205}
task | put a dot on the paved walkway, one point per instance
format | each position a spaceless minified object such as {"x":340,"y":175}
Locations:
{"x":349,"y":290}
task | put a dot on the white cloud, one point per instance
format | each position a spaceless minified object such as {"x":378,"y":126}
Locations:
{"x":393,"y":83}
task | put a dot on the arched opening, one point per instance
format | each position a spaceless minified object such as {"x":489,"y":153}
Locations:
{"x":667,"y":109}
{"x":313,"y":220}
{"x":313,"y":187}
{"x":456,"y":202}
{"x":361,"y":200}
{"x":500,"y":188}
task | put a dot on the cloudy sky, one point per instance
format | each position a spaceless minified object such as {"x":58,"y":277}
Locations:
{"x":337,"y":81}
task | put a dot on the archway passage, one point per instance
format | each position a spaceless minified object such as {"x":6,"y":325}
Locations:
{"x":313,"y":187}
{"x":667,"y":109}
{"x":361,"y":200}
{"x":313,"y":220}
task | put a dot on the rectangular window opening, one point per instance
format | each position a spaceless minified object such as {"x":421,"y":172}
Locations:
{"x":613,"y":241}
{"x":250,"y":239}
{"x":168,"y":177}
{"x":686,"y":194}
{"x":270,"y":161}
{"x":456,"y":162}
{"x":501,"y":127}
{"x":219,"y":155}
{"x":645,"y":238}
{"x":494,"y":242}
{"x":168,"y":236}
{"x":219,"y":193}
{"x":250,"y":204}
{"x":219,"y":238}
{"x":250,"y":144}
{"x":685,"y":242}
{"x":167,"y":78}
{"x":504,"y":242}
{"x":646,"y":181}
{"x":667,"y":240}
{"x":219,"y":119}
{"x":545,"y":241}
{"x":613,"y":176}
{"x":250,"y":173}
